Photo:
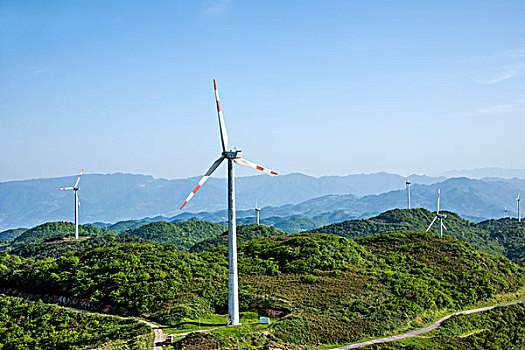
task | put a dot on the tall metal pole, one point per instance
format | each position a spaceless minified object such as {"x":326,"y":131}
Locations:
{"x":233,"y":278}
{"x":76,"y":215}
{"x":408,"y":193}
{"x":441,"y":227}
{"x":519,"y":212}
{"x":257,"y":216}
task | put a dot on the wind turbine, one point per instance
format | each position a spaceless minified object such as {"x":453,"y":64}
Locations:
{"x":408,"y":183}
{"x":505,"y":214}
{"x":233,"y":156}
{"x":257,"y":210}
{"x":438,"y":216}
{"x":519,"y":211}
{"x":77,"y":202}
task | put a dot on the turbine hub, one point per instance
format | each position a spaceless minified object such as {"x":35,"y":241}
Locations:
{"x":232,"y":154}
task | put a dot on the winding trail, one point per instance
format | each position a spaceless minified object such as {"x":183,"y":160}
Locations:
{"x":159,"y":334}
{"x":424,"y":329}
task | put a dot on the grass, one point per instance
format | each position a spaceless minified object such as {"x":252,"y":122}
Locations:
{"x":496,"y":300}
{"x":210,"y":322}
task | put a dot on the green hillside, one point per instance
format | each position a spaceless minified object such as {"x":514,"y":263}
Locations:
{"x":59,"y":230}
{"x":289,"y":224}
{"x":56,"y":248}
{"x":122,"y":226}
{"x":317,"y":288}
{"x":9,"y":235}
{"x":501,"y":328}
{"x":244,"y":233}
{"x":27,"y":325}
{"x":499,"y":237}
{"x":183,"y":234}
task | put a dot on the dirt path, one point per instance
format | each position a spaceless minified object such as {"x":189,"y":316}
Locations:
{"x":159,"y":334}
{"x":424,"y":329}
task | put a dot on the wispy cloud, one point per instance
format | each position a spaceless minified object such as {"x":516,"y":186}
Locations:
{"x":214,"y":6}
{"x":38,"y":71}
{"x":498,"y":77}
{"x":497,"y":67}
{"x":499,"y":109}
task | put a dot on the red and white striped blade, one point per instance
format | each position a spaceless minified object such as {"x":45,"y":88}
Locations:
{"x":65,"y":188}
{"x":78,"y":201}
{"x":247,"y":163}
{"x":222,"y":125}
{"x":210,"y":171}
{"x":76,"y":183}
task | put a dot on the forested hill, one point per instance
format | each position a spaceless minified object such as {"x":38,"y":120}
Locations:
{"x":58,"y":230}
{"x":318,"y":288}
{"x":244,"y":234}
{"x":500,"y":237}
{"x":10,"y":235}
{"x":183,"y":234}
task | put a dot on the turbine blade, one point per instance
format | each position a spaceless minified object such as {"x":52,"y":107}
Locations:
{"x":432,"y":223}
{"x":210,"y":171}
{"x":76,"y":183}
{"x":222,"y":125}
{"x":78,"y":201}
{"x":442,"y":224}
{"x":249,"y":164}
{"x":65,"y":188}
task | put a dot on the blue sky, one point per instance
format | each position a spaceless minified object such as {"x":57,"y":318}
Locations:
{"x":320,"y":87}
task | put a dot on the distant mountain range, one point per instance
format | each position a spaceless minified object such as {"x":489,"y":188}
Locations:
{"x":297,"y":201}
{"x":482,"y":173}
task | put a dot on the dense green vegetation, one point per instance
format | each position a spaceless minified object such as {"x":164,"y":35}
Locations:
{"x":318,"y":288}
{"x":182,"y":234}
{"x":244,"y":234}
{"x":501,"y":328}
{"x":122,"y":226}
{"x":499,"y":237}
{"x":33,"y":326}
{"x":55,"y":248}
{"x":289,"y":224}
{"x":59,"y":230}
{"x":9,"y":235}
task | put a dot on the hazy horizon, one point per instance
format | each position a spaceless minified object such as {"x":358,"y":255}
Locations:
{"x":445,"y":174}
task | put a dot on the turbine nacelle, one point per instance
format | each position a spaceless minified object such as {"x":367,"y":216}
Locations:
{"x":232,"y":154}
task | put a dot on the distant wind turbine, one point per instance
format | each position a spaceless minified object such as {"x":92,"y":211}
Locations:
{"x":439,"y":216}
{"x":505,"y":213}
{"x":519,"y":211}
{"x":77,"y":202}
{"x":233,"y":156}
{"x":408,"y":183}
{"x":257,"y":210}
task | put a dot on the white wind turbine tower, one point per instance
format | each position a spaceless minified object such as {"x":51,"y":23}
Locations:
{"x":233,"y":156}
{"x":438,"y":216}
{"x":519,"y":211}
{"x":505,"y":214}
{"x":408,"y":183}
{"x":257,"y":210}
{"x":77,"y":202}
